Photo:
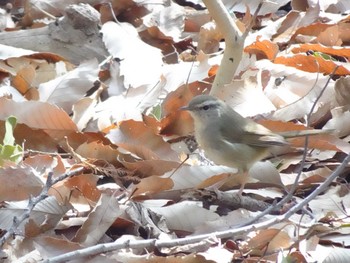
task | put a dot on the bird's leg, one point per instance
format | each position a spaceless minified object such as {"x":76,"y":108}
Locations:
{"x":243,"y":183}
{"x":240,"y":178}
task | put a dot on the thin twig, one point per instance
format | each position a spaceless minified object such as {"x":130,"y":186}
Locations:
{"x":43,"y":11}
{"x":249,"y":27}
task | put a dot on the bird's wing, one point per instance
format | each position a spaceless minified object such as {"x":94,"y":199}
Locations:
{"x":251,"y":133}
{"x":257,"y":135}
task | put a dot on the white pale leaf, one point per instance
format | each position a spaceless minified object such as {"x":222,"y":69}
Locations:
{"x":169,"y":20}
{"x":330,"y":202}
{"x":217,"y":254}
{"x":65,"y":90}
{"x":187,"y":72}
{"x":246,"y":97}
{"x":116,"y":109}
{"x":11,"y":52}
{"x":296,"y":92}
{"x":338,"y":254}
{"x":83,"y":111}
{"x":185,"y":216}
{"x":342,"y":6}
{"x":126,"y":107}
{"x":232,"y":219}
{"x":33,"y":256}
{"x":51,"y":206}
{"x":265,"y":172}
{"x":339,"y":122}
{"x":268,"y":7}
{"x":116,"y":84}
{"x":329,"y":254}
{"x":140,"y":63}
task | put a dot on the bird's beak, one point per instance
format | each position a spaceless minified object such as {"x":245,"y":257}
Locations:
{"x":184,"y":108}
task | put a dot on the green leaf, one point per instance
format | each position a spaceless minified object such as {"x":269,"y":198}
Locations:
{"x":156,"y":112}
{"x":324,"y":56}
{"x":10,"y":125}
{"x":9,"y":150}
{"x":12,"y":153}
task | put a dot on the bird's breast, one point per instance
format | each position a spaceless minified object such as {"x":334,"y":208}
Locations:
{"x":223,"y":152}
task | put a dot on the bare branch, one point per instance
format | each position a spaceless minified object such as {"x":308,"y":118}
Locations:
{"x":234,"y":42}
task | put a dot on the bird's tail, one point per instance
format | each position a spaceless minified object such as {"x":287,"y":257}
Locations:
{"x":301,"y":133}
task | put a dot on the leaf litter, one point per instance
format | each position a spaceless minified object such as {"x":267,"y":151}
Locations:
{"x":98,"y":122}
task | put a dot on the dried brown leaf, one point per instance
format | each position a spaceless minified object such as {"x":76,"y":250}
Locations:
{"x":19,"y":183}
{"x":269,"y":240}
{"x":209,"y":38}
{"x":137,"y":133}
{"x":152,"y":185}
{"x":332,"y":51}
{"x":312,"y":64}
{"x":39,"y":115}
{"x":23,"y":81}
{"x":100,"y":151}
{"x":342,"y":93}
{"x":99,"y":220}
{"x":46,"y":163}
{"x":175,"y":121}
{"x":33,"y":139}
{"x":262,"y":49}
{"x":79,"y":187}
{"x":150,"y":167}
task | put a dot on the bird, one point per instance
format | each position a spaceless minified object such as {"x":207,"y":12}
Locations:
{"x":230,"y":139}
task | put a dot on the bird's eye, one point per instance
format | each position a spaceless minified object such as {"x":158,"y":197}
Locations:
{"x":206,"y":107}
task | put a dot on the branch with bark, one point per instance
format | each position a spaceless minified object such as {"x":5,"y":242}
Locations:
{"x":234,"y":42}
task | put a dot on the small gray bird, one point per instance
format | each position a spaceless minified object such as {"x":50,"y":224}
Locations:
{"x":229,"y":139}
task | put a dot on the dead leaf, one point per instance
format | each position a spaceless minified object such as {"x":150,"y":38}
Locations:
{"x":99,"y":220}
{"x":122,"y":41}
{"x":312,"y":64}
{"x":83,"y":187}
{"x":47,"y":117}
{"x":151,"y":185}
{"x":166,"y":23}
{"x":19,"y":183}
{"x":338,"y":52}
{"x":150,"y":167}
{"x":74,"y":83}
{"x":98,"y":150}
{"x":185,"y":216}
{"x":136,"y":133}
{"x":269,"y":240}
{"x":262,"y":49}
{"x":50,"y":246}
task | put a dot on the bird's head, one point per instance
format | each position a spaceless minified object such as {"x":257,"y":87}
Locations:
{"x":204,"y":107}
